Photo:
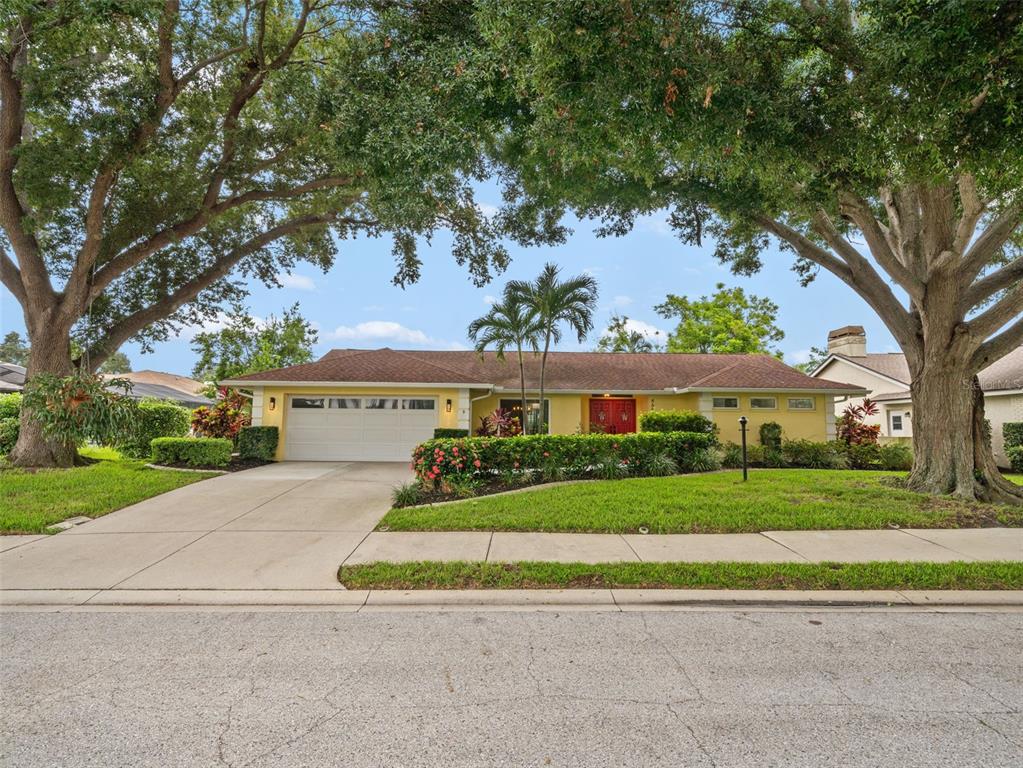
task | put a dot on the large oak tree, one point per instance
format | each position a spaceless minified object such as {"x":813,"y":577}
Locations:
{"x":155,"y":152}
{"x":879,"y":140}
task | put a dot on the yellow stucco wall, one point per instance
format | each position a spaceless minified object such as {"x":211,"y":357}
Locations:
{"x":278,"y":416}
{"x":570,"y":412}
{"x":796,"y":425}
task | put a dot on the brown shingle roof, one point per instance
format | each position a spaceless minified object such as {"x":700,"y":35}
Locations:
{"x":890,"y":364}
{"x":1006,"y":373}
{"x":566,"y":371}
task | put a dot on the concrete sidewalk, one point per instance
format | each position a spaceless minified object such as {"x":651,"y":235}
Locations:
{"x":912,"y":545}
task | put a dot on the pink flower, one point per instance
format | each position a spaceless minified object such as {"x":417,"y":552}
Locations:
{"x":546,"y":453}
{"x":436,"y":469}
{"x":516,"y":465}
{"x":455,"y":450}
{"x":476,"y":463}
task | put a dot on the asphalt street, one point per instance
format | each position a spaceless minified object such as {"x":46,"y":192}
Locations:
{"x":725,"y":688}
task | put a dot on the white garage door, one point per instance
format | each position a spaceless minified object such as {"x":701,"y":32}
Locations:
{"x":377,"y":428}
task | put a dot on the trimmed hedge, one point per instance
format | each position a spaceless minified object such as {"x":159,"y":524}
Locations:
{"x":10,"y":405}
{"x":437,"y":461}
{"x":1015,"y":456}
{"x":194,"y":451}
{"x":154,"y":418}
{"x":258,"y":443}
{"x":9,"y":429}
{"x":442,"y":432}
{"x":814,"y":455}
{"x":1012,"y":433}
{"x":676,"y":421}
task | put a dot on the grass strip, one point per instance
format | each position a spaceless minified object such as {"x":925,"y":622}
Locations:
{"x":721,"y":575}
{"x":772,"y":500}
{"x":33,"y":499}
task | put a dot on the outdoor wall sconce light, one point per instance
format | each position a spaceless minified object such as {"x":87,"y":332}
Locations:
{"x":273,"y":403}
{"x":447,"y":405}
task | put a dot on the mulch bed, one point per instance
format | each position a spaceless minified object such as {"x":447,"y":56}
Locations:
{"x":236,"y":465}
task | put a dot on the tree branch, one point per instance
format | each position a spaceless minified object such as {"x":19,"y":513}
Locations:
{"x":1004,"y":310}
{"x":990,"y":241}
{"x":32,"y":275}
{"x":76,"y":290}
{"x":859,"y":211}
{"x":998,"y":347}
{"x":989,"y":285}
{"x":10,"y":275}
{"x":973,"y":208}
{"x":197,"y":222}
{"x":128,"y":326}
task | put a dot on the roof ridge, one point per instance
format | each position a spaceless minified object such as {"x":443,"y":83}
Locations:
{"x":407,"y":353}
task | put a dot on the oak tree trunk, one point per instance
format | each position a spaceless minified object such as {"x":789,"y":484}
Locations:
{"x":51,"y":353}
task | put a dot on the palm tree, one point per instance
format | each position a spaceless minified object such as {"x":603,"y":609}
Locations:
{"x":509,"y":323}
{"x":554,"y":302}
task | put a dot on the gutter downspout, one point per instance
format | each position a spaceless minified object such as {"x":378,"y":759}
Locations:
{"x":473,"y":400}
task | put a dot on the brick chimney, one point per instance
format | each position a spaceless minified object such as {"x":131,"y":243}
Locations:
{"x":850,"y":340}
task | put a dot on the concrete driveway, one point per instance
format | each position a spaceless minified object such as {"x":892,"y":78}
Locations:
{"x":282,"y":526}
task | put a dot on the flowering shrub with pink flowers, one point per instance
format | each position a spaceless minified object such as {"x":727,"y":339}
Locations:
{"x":436,"y":462}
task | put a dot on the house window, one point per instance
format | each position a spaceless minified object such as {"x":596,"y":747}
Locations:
{"x":731,"y":403}
{"x":514,"y":407}
{"x":345,"y":403}
{"x":418,"y":405}
{"x":382,"y":403}
{"x":896,"y":422}
{"x":801,"y":404}
{"x":763,"y":403}
{"x":307,"y":402}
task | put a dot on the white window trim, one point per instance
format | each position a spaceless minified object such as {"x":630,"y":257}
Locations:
{"x":763,"y":407}
{"x":362,"y":402}
{"x":813,"y":404}
{"x":717,"y":407}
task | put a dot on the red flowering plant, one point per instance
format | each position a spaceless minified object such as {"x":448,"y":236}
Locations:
{"x":224,"y":419}
{"x":852,"y":426}
{"x":437,"y":461}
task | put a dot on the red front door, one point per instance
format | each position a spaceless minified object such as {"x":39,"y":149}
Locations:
{"x":613,"y":415}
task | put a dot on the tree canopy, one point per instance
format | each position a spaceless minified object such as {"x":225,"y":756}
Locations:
{"x":245,"y":345}
{"x":620,"y":337}
{"x":877,"y":140}
{"x":13,"y":349}
{"x":729,"y":321}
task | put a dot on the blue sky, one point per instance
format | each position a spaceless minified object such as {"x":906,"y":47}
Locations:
{"x":355,"y":304}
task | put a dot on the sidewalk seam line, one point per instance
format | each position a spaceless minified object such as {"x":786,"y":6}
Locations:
{"x":272,"y":498}
{"x":490,"y":543}
{"x":785,"y":546}
{"x":356,"y":549}
{"x":941,"y":546}
{"x":631,"y":549}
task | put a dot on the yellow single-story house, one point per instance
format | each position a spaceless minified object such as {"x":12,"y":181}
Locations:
{"x":377,"y":405}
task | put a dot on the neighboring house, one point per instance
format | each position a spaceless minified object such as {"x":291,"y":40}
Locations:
{"x":164,"y":386}
{"x":376,"y":405}
{"x":886,"y":377}
{"x":12,"y":377}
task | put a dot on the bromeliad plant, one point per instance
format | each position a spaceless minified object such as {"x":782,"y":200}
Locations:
{"x":80,"y":407}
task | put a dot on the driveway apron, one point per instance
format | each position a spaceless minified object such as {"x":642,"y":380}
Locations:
{"x":282,"y":526}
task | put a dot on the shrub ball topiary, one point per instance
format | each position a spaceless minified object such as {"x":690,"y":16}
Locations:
{"x":1015,"y":456}
{"x":258,"y":443}
{"x":193,"y":451}
{"x":10,"y":405}
{"x":154,"y":418}
{"x":770,"y":434}
{"x":9,"y":429}
{"x":1012,"y":433}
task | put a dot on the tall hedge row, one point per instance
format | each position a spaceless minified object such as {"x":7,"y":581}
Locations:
{"x":436,"y":460}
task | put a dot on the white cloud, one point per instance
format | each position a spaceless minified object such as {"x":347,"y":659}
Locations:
{"x":489,"y":299}
{"x":656,"y":223}
{"x":621,"y":301}
{"x":798,"y":357}
{"x":489,"y":209}
{"x":646,"y":330}
{"x":298,"y":282}
{"x":385,"y":332}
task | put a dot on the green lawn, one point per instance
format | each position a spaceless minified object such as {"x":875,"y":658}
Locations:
{"x":32,"y":500}
{"x":773,"y":499}
{"x":534,"y":575}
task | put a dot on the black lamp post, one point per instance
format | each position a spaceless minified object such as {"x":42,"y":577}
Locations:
{"x":743,"y":421}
